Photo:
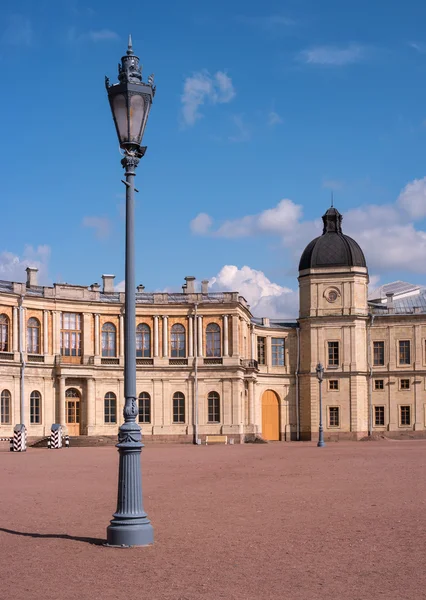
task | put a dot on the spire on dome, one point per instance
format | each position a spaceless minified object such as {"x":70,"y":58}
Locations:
{"x":332,"y":221}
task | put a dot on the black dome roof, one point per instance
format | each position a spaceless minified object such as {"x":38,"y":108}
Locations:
{"x":332,"y":248}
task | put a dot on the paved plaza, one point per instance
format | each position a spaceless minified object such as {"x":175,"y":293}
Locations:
{"x":231,"y":522}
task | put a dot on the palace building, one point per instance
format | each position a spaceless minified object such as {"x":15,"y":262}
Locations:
{"x":207,"y":366}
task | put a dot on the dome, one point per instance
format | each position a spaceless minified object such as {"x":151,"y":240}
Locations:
{"x":332,"y":248}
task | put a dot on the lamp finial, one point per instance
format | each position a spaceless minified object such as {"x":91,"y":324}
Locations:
{"x":129,"y":45}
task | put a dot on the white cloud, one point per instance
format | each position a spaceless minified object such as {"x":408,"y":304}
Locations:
{"x":419,"y":46}
{"x":201,"y":224}
{"x":413,"y":198}
{"x":243,"y":133}
{"x":12,"y":266}
{"x":101,"y":225}
{"x":333,"y":55}
{"x":204,"y":88}
{"x":274,"y":119}
{"x":121,"y":286}
{"x":266,"y":299}
{"x":18,"y":31}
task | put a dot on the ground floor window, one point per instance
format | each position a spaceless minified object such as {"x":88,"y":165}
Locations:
{"x":178,"y":408}
{"x":333,"y":416}
{"x":379,"y":416}
{"x":110,"y":408}
{"x":144,"y":407}
{"x":405,"y":415}
{"x":35,"y":408}
{"x":5,"y":407}
{"x":213,"y":401}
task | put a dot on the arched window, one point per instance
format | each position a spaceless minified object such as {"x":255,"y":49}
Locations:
{"x":213,"y":340}
{"x":4,"y":333}
{"x":178,"y":408}
{"x":35,"y":408}
{"x":144,"y":408}
{"x":33,"y":336}
{"x":110,"y":408}
{"x":108,"y":340}
{"x":213,"y":402}
{"x":177,"y":341}
{"x":5,"y":407}
{"x":143,"y":340}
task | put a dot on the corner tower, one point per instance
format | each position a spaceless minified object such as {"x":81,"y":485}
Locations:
{"x":333,"y":315}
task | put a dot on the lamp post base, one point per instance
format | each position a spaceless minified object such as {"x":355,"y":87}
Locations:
{"x":321,"y":444}
{"x":122,"y":535}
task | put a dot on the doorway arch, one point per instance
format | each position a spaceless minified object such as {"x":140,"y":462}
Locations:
{"x":270,"y":416}
{"x":72,"y":411}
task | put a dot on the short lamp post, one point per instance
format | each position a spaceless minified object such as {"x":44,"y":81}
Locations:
{"x":130,"y":102}
{"x":320,"y":375}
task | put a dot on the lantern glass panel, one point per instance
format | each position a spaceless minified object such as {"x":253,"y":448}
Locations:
{"x":120,"y":113}
{"x":137,"y":114}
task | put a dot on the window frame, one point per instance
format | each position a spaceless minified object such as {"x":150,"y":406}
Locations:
{"x":277,"y":352}
{"x":68,"y":333}
{"x":213,"y":337}
{"x":33,"y":331}
{"x":4,"y":332}
{"x":335,"y":362}
{"x":177,"y":339}
{"x":329,"y":419}
{"x":403,"y":388}
{"x":261,"y":349}
{"x":333,"y":381}
{"x":143,"y":334}
{"x":179,"y":410}
{"x":382,"y":346}
{"x":213,"y":407}
{"x":382,"y":413}
{"x":5,"y":407}
{"x":110,"y":408}
{"x":377,"y":387}
{"x":144,"y":398}
{"x":406,"y":363}
{"x":109,"y":340}
{"x":35,"y":408}
{"x":400,"y":413}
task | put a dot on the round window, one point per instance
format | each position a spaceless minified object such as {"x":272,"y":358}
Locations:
{"x":332,"y":296}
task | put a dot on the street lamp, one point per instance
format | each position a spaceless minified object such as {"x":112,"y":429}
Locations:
{"x":130,"y":102}
{"x":320,"y":375}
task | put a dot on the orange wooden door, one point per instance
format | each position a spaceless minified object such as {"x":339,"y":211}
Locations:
{"x":73,"y":417}
{"x":270,"y":416}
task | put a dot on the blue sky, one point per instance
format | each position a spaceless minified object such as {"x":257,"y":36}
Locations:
{"x":261,"y":109}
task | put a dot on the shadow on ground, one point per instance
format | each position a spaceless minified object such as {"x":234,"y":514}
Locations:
{"x":57,"y":536}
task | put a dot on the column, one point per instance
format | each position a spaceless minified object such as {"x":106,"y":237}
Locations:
{"x":45,"y":332}
{"x":121,"y":327}
{"x":235,"y":336}
{"x":200,"y":335}
{"x":165,"y":337}
{"x":155,"y":335}
{"x":97,"y":339}
{"x":15,"y":329}
{"x":91,"y":409}
{"x":62,"y":401}
{"x":251,"y":402}
{"x":56,"y":332}
{"x":225,"y":336}
{"x":253,"y":343}
{"x":190,"y":336}
{"x":24,"y":329}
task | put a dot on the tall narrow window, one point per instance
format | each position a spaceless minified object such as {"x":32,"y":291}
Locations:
{"x":379,"y":416}
{"x":405,"y":415}
{"x":261,"y":350}
{"x":177,"y":341}
{"x":277,"y":352}
{"x":5,"y":407}
{"x":4,"y":333}
{"x":213,"y":340}
{"x":404,"y":352}
{"x":378,"y":354}
{"x":110,"y":408}
{"x":213,"y":402}
{"x":333,"y":416}
{"x":144,"y":401}
{"x":71,"y":334}
{"x":33,"y":336}
{"x":333,"y":354}
{"x":35,"y":408}
{"x":178,"y":408}
{"x":143,"y":340}
{"x":109,"y":337}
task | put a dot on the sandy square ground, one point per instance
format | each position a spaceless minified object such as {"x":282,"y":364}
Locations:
{"x":231,"y":522}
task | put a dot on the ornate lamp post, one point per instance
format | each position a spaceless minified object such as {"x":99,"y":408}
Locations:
{"x":130,"y":101}
{"x":320,"y":375}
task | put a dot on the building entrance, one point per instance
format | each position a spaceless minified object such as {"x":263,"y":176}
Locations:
{"x":72,"y":411}
{"x":270,"y":416}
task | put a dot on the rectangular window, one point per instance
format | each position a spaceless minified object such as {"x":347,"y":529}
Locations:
{"x":404,"y":384}
{"x":178,"y":408}
{"x":278,"y":352}
{"x":379,"y":416}
{"x":405,"y":415}
{"x":333,"y":354}
{"x":379,"y":384}
{"x":5,"y":408}
{"x":261,"y":350}
{"x":404,"y":352}
{"x":35,"y":410}
{"x":71,"y":334}
{"x":333,"y":416}
{"x":110,"y":406}
{"x":378,"y":354}
{"x":333,"y":384}
{"x":144,"y":408}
